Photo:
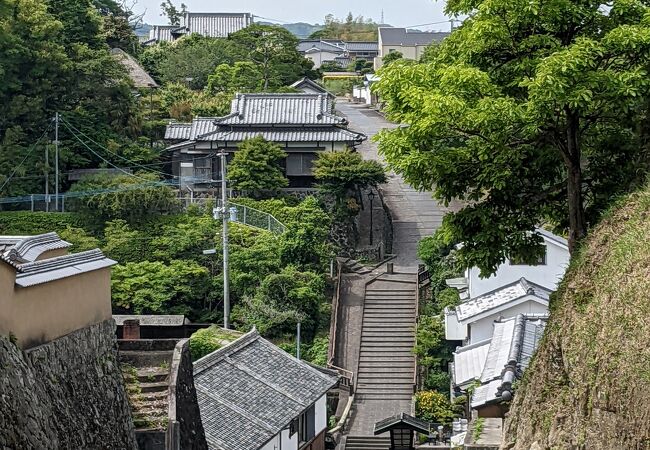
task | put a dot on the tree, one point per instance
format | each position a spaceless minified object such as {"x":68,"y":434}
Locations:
{"x":256,"y":166}
{"x":133,"y":198}
{"x":350,"y":29}
{"x":392,"y":56}
{"x":344,"y":174}
{"x":524,"y":113}
{"x":173,"y":14}
{"x":273,"y":50}
{"x":243,"y":76}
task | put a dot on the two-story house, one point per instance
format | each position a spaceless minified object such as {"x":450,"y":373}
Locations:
{"x":211,"y":24}
{"x":302,"y":124}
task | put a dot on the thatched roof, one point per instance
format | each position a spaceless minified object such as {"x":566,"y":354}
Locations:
{"x":140,"y":78}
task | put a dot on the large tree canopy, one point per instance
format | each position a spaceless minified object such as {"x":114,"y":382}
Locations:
{"x":530,"y":113}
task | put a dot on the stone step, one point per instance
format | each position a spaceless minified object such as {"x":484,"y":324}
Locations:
{"x":147,"y":358}
{"x":154,"y":387}
{"x":152,"y":374}
{"x":384,"y":397}
{"x":378,"y":328}
{"x":367,"y":443}
{"x":377,"y":365}
{"x":397,"y":381}
{"x":384,"y":371}
{"x":386,"y":347}
{"x":387,"y":319}
{"x":389,"y":340}
{"x":397,"y":290}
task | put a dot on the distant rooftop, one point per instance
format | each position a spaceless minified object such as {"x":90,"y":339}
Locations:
{"x":250,"y":390}
{"x":406,"y":38}
{"x":211,"y":24}
{"x":139,"y":77}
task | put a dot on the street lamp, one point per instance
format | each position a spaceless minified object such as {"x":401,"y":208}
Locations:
{"x":371,"y":197}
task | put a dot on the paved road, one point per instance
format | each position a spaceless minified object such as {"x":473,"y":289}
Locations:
{"x":415,"y":214}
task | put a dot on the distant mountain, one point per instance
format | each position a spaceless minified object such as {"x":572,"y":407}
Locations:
{"x":143,"y":29}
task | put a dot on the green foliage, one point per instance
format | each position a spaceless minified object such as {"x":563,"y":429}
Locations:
{"x":350,"y":29}
{"x":273,"y":50}
{"x":284,"y":299}
{"x":132,"y":198}
{"x":20,"y":223}
{"x":433,"y":406}
{"x":440,"y":259}
{"x":338,"y":86}
{"x":178,"y":287}
{"x":345,"y":174}
{"x":317,"y":352}
{"x":207,"y":340}
{"x":527,"y":114}
{"x":243,"y":76}
{"x":256,"y":167}
{"x":79,"y":238}
{"x":391,"y":57}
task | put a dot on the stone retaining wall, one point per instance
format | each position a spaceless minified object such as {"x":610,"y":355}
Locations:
{"x":67,"y":393}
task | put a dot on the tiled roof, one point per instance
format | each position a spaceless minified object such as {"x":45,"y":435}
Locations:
{"x":249,"y":390}
{"x":400,"y":36}
{"x":501,"y":297}
{"x":402,"y":421}
{"x":162,"y":32}
{"x":469,"y":362}
{"x":310,"y":86}
{"x":547,"y":235}
{"x":360,"y":46}
{"x":152,"y":320}
{"x":201,"y":127}
{"x":178,"y":131}
{"x":318,"y":45}
{"x":216,"y":24}
{"x":512,"y":346}
{"x":28,"y":248}
{"x":44,"y":271}
{"x":289,"y":134}
{"x":281,"y":109}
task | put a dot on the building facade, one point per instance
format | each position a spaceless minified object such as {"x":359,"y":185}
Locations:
{"x":410,"y":44}
{"x":217,"y":25}
{"x":302,"y":124}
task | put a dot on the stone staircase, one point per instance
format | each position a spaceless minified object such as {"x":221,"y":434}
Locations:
{"x":367,"y":443}
{"x":354,"y":266}
{"x":386,"y":363}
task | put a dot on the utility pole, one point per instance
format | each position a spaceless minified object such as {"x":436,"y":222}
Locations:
{"x":298,"y":341}
{"x":47,"y":179}
{"x":224,"y":211}
{"x":56,"y":161}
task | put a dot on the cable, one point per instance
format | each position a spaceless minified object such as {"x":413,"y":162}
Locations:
{"x":29,"y":152}
{"x":107,"y":150}
{"x":65,"y":123}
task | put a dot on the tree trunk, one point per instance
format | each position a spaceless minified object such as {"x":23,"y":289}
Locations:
{"x":577,"y":225}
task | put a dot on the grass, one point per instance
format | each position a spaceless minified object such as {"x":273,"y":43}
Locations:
{"x":479,"y":425}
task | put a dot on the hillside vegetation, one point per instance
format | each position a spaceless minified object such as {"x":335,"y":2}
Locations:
{"x":589,"y":384}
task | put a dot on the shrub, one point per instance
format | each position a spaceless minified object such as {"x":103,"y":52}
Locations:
{"x":206,"y":340}
{"x":433,"y":406}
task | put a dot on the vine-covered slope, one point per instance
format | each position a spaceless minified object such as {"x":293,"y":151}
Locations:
{"x":589,"y":385}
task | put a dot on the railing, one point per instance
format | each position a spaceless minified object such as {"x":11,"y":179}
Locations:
{"x":331,"y":350}
{"x":256,"y":218}
{"x":346,"y":379}
{"x":424,"y":277}
{"x":416,"y":368}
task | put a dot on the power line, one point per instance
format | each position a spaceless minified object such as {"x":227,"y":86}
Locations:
{"x":29,"y":152}
{"x":65,"y":123}
{"x":107,"y":150}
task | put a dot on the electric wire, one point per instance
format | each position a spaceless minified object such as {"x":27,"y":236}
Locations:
{"x":29,"y":152}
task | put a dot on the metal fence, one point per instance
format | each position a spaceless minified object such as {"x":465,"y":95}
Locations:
{"x":255,"y":218}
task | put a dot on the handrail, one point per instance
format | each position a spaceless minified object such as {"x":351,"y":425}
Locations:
{"x":344,"y":417}
{"x":415,"y":340}
{"x":334,"y":317}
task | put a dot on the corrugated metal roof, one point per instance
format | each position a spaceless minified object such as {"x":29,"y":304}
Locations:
{"x":400,"y":36}
{"x":250,"y":390}
{"x":51,"y":269}
{"x":178,"y":131}
{"x":278,"y":109}
{"x":501,"y":297}
{"x":216,"y":24}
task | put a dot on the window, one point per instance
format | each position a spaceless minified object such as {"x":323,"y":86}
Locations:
{"x":307,"y":426}
{"x":541,"y":261}
{"x":300,"y":163}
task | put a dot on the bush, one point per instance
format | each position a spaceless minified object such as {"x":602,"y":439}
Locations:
{"x":256,"y":167}
{"x":207,"y":340}
{"x":433,"y":406}
{"x":317,"y":352}
{"x":30,"y":223}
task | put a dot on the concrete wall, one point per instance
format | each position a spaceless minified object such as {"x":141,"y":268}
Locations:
{"x":320,"y":57}
{"x":42,"y":313}
{"x":185,"y":430}
{"x":547,"y":275}
{"x":484,"y":328}
{"x":65,"y":394}
{"x":320,"y":423}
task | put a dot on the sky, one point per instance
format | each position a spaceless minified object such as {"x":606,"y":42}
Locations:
{"x":402,"y":13}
